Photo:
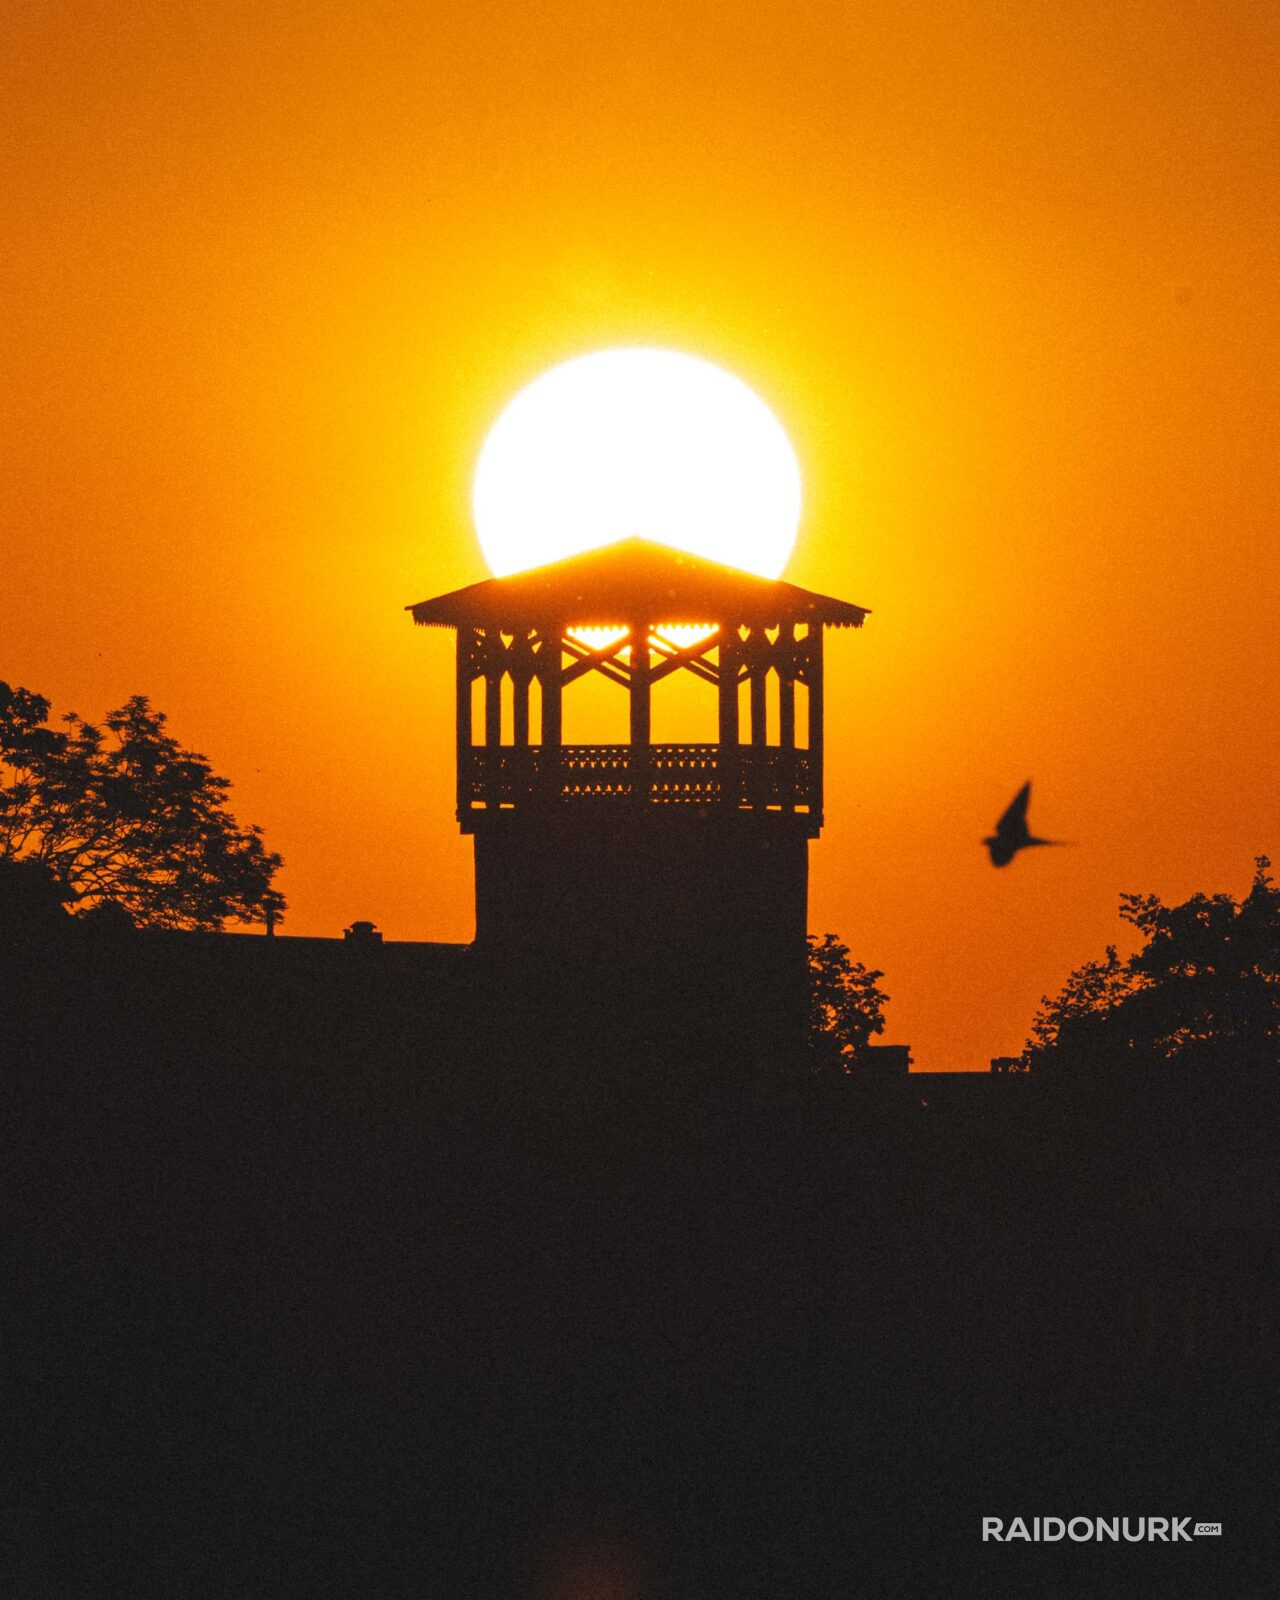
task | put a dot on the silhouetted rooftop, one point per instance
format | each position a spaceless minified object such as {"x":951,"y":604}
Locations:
{"x":634,"y":580}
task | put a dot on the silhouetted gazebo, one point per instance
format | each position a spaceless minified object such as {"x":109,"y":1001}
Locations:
{"x":695,"y":850}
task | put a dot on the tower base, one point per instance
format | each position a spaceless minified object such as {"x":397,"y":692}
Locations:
{"x":667,"y":929}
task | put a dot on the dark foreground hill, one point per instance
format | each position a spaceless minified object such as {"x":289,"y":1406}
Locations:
{"x":353,"y":1272}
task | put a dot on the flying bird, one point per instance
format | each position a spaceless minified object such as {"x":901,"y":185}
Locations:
{"x":1012,"y":833}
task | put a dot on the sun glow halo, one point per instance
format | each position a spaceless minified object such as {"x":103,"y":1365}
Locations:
{"x":642,"y":441}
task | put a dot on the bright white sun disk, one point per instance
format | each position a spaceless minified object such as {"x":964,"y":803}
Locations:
{"x":647,"y":442}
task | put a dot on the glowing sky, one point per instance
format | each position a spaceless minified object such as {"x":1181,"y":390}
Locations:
{"x":270,"y":272}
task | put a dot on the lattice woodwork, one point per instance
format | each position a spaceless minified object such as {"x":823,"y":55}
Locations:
{"x":747,"y":777}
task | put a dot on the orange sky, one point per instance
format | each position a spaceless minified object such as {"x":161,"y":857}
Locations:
{"x":1005,"y":272}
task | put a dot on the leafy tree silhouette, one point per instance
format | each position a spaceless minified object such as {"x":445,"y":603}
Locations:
{"x":845,"y":1007}
{"x":1204,"y":989}
{"x":122,"y":819}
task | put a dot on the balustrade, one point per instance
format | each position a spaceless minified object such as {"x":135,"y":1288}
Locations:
{"x":739,"y":776}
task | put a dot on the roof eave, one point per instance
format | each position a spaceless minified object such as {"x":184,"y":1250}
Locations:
{"x":424,"y":619}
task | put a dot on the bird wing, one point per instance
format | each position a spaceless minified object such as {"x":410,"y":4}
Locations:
{"x":1015,"y":818}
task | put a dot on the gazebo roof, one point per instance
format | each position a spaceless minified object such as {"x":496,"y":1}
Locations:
{"x":632,"y":581}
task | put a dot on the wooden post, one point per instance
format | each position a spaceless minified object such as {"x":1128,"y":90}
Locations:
{"x":815,"y":722}
{"x":728,"y":686}
{"x":520,"y":781}
{"x":550,"y":671}
{"x":758,"y":657}
{"x":787,"y":700}
{"x":493,"y":666}
{"x":464,"y":675}
{"x":786,"y":659}
{"x":493,"y":663}
{"x":640,"y":712}
{"x":521,"y":672}
{"x":728,"y":760}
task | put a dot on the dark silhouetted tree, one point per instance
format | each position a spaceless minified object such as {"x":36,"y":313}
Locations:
{"x":123,"y":817}
{"x":845,"y":1006}
{"x":1204,"y":989}
{"x":33,"y":905}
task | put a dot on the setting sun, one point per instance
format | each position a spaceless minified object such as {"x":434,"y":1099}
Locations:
{"x":648,"y":442}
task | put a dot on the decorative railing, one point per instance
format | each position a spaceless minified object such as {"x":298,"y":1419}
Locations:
{"x":738,"y":776}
